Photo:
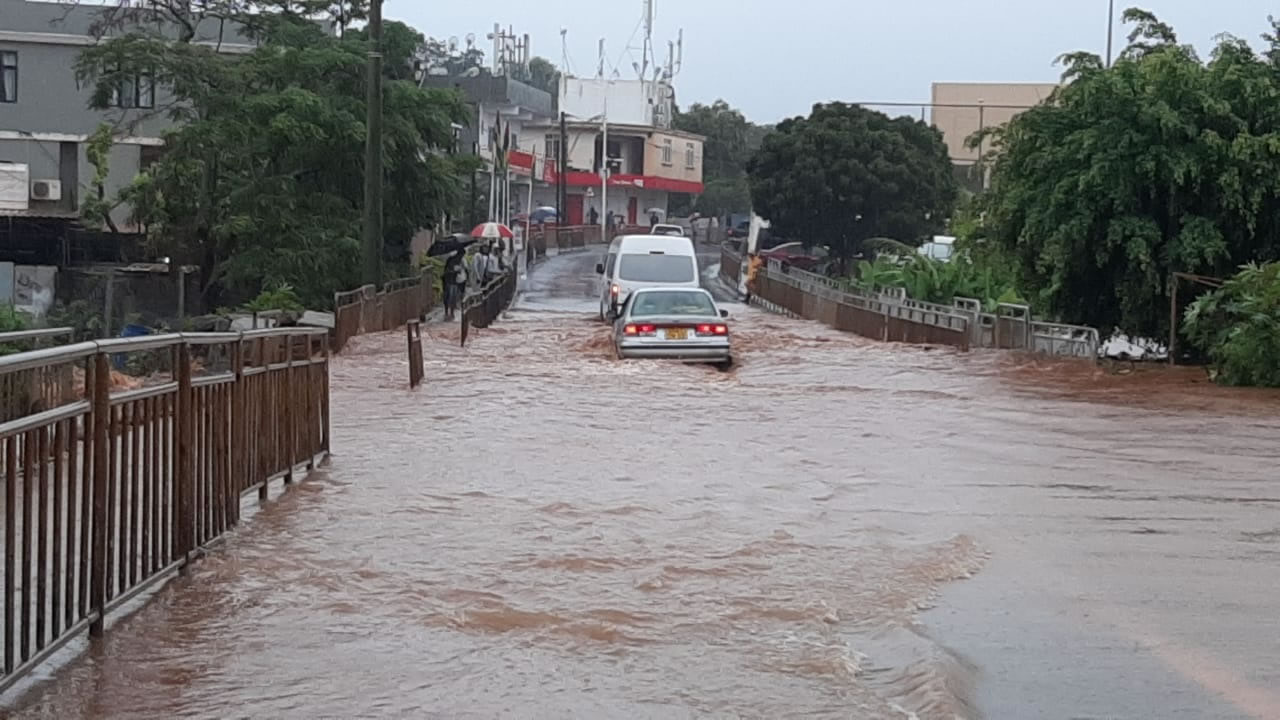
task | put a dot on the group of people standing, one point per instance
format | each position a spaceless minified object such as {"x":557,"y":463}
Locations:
{"x":473,"y":267}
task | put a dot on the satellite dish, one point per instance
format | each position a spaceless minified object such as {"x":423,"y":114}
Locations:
{"x":471,"y":72}
{"x":471,"y":40}
{"x":453,"y":44}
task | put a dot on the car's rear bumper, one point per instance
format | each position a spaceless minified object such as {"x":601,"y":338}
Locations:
{"x":675,"y":351}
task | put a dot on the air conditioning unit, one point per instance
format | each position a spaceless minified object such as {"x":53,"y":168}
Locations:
{"x":46,"y":190}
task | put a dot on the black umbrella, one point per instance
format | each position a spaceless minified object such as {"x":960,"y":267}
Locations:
{"x":448,"y":246}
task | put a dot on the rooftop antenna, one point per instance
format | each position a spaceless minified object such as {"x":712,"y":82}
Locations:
{"x":648,"y":38}
{"x":496,"y":37}
{"x":680,"y":50}
{"x":600,"y":69}
{"x":564,"y":49}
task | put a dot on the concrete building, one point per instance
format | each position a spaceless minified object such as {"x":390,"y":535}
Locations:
{"x":45,"y":117}
{"x":646,"y":165}
{"x":491,"y":97}
{"x":647,"y":160}
{"x":628,"y":102}
{"x":962,"y":109}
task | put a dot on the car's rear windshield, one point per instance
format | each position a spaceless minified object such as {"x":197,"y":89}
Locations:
{"x":657,"y":268}
{"x":672,"y":302}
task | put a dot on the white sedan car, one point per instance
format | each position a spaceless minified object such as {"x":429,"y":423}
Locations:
{"x":675,"y":324}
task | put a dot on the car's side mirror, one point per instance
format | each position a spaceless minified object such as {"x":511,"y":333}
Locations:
{"x":599,"y":268}
{"x":724,"y":313}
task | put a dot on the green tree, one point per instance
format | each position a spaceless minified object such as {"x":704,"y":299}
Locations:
{"x":730,"y":141}
{"x":544,"y":75}
{"x":261,"y":184}
{"x":846,"y":174}
{"x":1238,"y":327}
{"x":1160,"y":163}
{"x":96,"y":206}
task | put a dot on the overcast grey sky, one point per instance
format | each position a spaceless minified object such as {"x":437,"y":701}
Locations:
{"x":775,"y":58}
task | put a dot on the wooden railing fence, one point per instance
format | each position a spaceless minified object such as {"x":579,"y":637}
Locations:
{"x":366,"y":310}
{"x":119,"y":481}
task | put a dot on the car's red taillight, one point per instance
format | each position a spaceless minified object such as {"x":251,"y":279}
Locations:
{"x":615,"y":290}
{"x":709,"y":329}
{"x":640,"y":330}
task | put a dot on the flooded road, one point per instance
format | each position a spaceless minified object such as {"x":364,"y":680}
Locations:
{"x":835,"y":529}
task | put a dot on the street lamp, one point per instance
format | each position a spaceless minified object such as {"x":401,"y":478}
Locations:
{"x":604,"y":171}
{"x":1111,"y":21}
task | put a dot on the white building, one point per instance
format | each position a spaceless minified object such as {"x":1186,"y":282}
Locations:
{"x":647,"y":160}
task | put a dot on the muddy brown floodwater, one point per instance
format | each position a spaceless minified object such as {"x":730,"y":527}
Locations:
{"x":837,"y":529}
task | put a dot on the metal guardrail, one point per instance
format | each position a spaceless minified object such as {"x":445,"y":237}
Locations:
{"x":1011,"y":327}
{"x":482,"y":308}
{"x":19,"y":336}
{"x":110,"y":490}
{"x":1065,"y":340}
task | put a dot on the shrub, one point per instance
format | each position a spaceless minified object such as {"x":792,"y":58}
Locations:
{"x":1238,"y":327}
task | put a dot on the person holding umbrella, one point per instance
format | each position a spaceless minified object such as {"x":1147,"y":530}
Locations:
{"x":488,"y":263}
{"x":454,"y":276}
{"x":455,"y":283}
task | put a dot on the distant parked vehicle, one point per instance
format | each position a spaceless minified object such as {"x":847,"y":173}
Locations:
{"x":942,"y":248}
{"x":667,"y":229}
{"x":797,"y":255}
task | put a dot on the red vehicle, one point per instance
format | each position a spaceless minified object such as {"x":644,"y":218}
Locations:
{"x":797,"y":255}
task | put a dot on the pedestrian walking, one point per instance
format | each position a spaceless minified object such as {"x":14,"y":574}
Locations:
{"x":493,"y":267}
{"x":479,"y":266}
{"x":455,"y":282}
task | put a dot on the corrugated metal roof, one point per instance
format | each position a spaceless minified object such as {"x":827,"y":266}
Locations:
{"x":42,"y":213}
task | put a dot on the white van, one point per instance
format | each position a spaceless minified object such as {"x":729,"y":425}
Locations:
{"x":941,"y":248}
{"x":638,"y":261}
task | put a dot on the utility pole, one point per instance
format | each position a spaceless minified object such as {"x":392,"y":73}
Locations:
{"x":563,"y":167}
{"x":1111,"y":23}
{"x":604,"y":169}
{"x":373,"y":152}
{"x":471,"y":208}
{"x":982,"y":125}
